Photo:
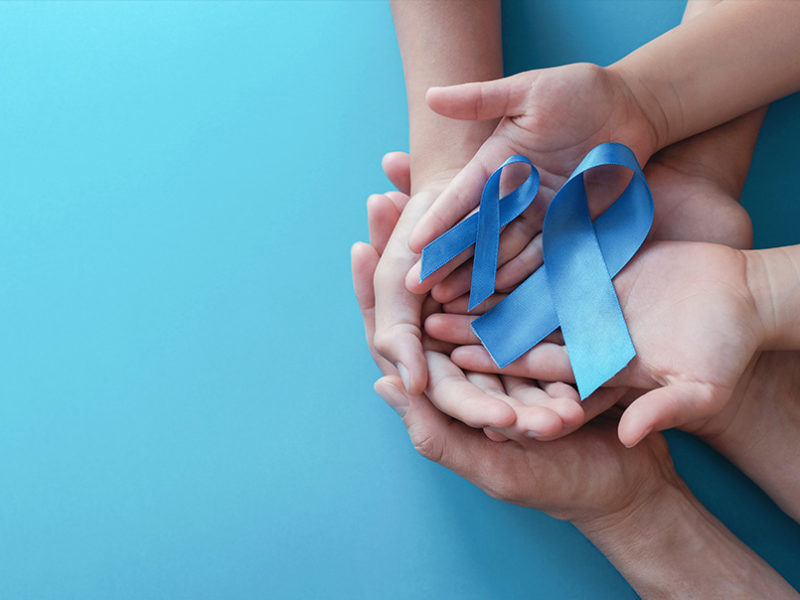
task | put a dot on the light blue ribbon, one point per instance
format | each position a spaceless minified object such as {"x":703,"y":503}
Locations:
{"x":483,"y":230}
{"x":573,"y":289}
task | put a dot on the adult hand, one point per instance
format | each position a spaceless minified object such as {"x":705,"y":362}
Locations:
{"x":581,"y":478}
{"x":694,"y":323}
{"x":543,"y":410}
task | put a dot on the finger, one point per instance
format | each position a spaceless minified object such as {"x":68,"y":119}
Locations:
{"x":398,"y":321}
{"x":382,"y":216}
{"x":566,"y":402}
{"x":463,"y":193}
{"x":452,"y":393}
{"x":363,"y":259}
{"x":460,"y":306}
{"x":515,"y":239}
{"x":454,"y":278}
{"x":453,"y":329}
{"x":537,"y":412}
{"x":483,"y":100}
{"x":521,"y":266}
{"x":669,"y":406}
{"x":455,"y":446}
{"x":413,"y":284}
{"x":494,"y":435}
{"x":389,"y":389}
{"x":430,"y":307}
{"x":428,"y":429}
{"x":456,"y":328}
{"x":399,"y":198}
{"x":456,"y":284}
{"x":545,"y":361}
{"x":533,"y":407}
{"x":397,"y":166}
{"x":528,"y":415}
{"x":600,"y":401}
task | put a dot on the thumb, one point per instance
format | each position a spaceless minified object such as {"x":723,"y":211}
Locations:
{"x":429,"y":429}
{"x":663,"y":408}
{"x":482,"y":100}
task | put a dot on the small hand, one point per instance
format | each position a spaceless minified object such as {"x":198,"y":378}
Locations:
{"x":553,"y":117}
{"x":696,"y":185}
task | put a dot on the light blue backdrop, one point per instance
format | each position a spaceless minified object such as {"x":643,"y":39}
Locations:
{"x":186,"y":407}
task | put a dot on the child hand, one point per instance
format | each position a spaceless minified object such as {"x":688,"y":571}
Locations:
{"x":553,"y":117}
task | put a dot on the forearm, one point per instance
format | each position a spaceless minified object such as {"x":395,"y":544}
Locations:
{"x":773,"y":278}
{"x":672,"y":547}
{"x":732,"y":59}
{"x":445,"y":42}
{"x":765,"y":444}
{"x":725,"y":152}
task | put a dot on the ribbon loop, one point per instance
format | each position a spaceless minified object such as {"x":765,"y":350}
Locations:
{"x":573,"y":289}
{"x":483,"y":230}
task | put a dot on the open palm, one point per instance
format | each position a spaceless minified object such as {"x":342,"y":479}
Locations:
{"x":693,"y":323}
{"x":553,"y":117}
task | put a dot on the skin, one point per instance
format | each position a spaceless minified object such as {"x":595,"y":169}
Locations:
{"x":398,"y":313}
{"x":680,"y":84}
{"x":763,"y":444}
{"x":468,"y":48}
{"x":621,"y":499}
{"x":695,"y":183}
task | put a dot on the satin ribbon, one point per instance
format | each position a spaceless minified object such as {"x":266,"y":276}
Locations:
{"x":573,"y":289}
{"x":483,"y":230}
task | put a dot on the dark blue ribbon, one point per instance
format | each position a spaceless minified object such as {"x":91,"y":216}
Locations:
{"x":573,"y":289}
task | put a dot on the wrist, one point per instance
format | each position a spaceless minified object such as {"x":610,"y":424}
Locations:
{"x":653,"y":114}
{"x":615,"y":531}
{"x":440,"y":150}
{"x":773,"y":280}
{"x":670,"y":546}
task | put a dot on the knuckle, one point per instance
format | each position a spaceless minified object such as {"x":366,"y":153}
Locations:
{"x":503,"y":490}
{"x":428,"y":445}
{"x":383,"y":342}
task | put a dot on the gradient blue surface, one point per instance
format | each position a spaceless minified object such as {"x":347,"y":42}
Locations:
{"x":186,"y":407}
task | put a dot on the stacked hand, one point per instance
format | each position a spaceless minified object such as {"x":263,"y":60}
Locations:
{"x":699,"y":310}
{"x":567,"y":478}
{"x":533,"y":108}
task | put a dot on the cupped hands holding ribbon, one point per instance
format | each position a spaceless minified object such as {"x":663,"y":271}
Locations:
{"x":710,"y":324}
{"x":622,"y":500}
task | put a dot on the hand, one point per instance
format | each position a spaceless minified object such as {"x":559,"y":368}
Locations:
{"x":622,"y":500}
{"x":587,"y":477}
{"x":552,"y":116}
{"x":693,"y":321}
{"x":543,"y":411}
{"x":696,"y":186}
{"x":758,"y":429}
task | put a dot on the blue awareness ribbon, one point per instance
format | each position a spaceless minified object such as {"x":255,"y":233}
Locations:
{"x":483,"y":230}
{"x":573,"y":288}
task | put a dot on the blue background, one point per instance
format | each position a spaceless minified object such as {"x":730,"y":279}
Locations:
{"x":186,"y":404}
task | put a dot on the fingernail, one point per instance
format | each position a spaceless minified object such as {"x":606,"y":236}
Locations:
{"x":646,"y":433}
{"x":533,"y":434}
{"x":401,"y":369}
{"x":396,"y":399}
